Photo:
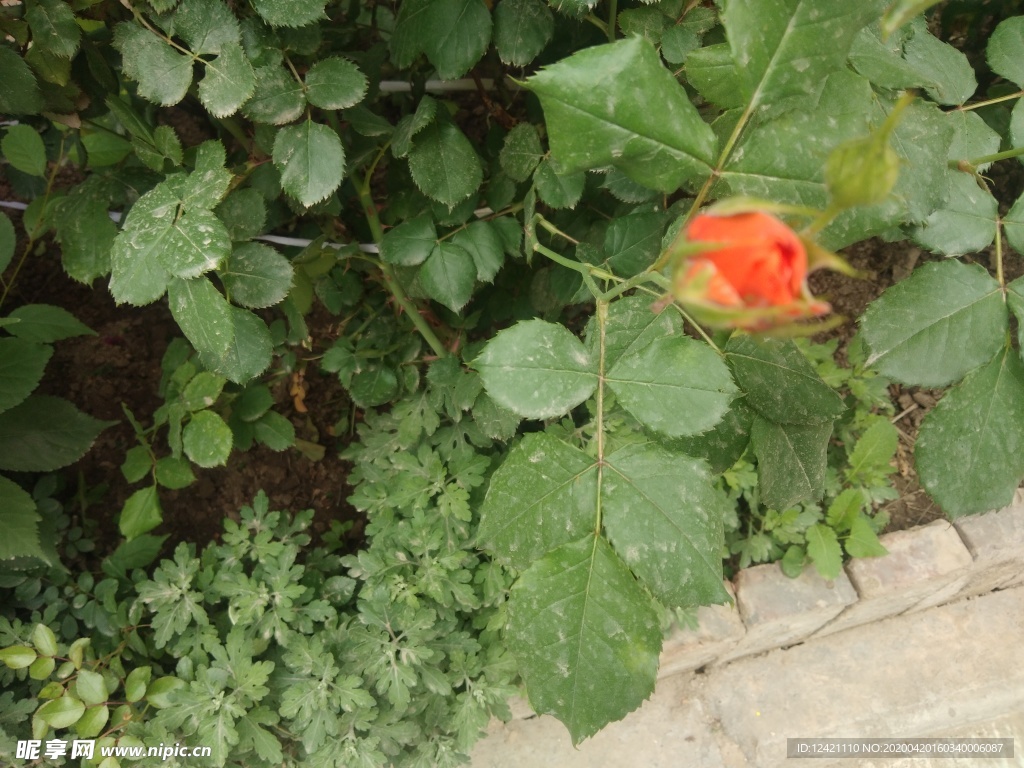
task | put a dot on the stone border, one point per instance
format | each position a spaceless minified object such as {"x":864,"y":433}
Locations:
{"x":926,"y":566}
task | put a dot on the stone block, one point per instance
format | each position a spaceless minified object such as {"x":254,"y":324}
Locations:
{"x":996,"y":542}
{"x":779,"y":611}
{"x":719,"y":630}
{"x":925,"y":566}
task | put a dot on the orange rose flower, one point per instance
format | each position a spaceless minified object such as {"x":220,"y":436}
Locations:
{"x":760,"y":262}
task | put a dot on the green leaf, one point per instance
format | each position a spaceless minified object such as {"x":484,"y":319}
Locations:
{"x":335,"y":83}
{"x":788,"y":47}
{"x":17,"y":656}
{"x":882,"y":62}
{"x":454,"y":34}
{"x":174,"y":473}
{"x":633,"y":242}
{"x":791,"y":460}
{"x":45,"y":323}
{"x":556,"y":189}
{"x":410,"y":243}
{"x":137,"y":275}
{"x":42,"y":668}
{"x":630,"y":326}
{"x":536,"y":369}
{"x":290,"y":13}
{"x":44,"y":640}
{"x":86,"y":235}
{"x":581,"y":628}
{"x":966,"y":223}
{"x":410,"y":125}
{"x":444,"y":164}
{"x":202,"y":391}
{"x":970,"y":450}
{"x":1005,"y":50}
{"x":950,"y":75}
{"x":483,"y":243}
{"x":278,"y":99}
{"x":311,"y":161}
{"x":257,"y":399}
{"x":243,"y":213}
{"x":573,"y":7}
{"x":53,"y":27}
{"x":203,"y":315}
{"x":677,"y":42}
{"x":374,"y":385}
{"x":141,"y":513}
{"x":780,"y":383}
{"x":250,"y":350}
{"x":8,"y":239}
{"x":873,"y":452}
{"x":522,"y":28}
{"x":91,"y":724}
{"x":664,"y":518}
{"x":522,"y":150}
{"x":23,"y":148}
{"x":541,"y":497}
{"x":137,"y":463}
{"x":863,"y":541}
{"x":162,"y":73}
{"x":972,"y":137}
{"x":930,"y":329}
{"x":448,"y":275}
{"x":823,"y":549}
{"x":19,"y":92}
{"x":208,"y":26}
{"x":61,"y":713}
{"x":597,"y":105}
{"x":136,"y":683}
{"x":21,"y":368}
{"x":45,"y":433}
{"x":1013,"y":224}
{"x":21,"y":530}
{"x":160,"y":692}
{"x":845,"y":508}
{"x":722,"y":446}
{"x":207,"y":439}
{"x":713,"y":73}
{"x":90,"y":687}
{"x":257,"y":276}
{"x":275,"y":431}
{"x":228,"y":83}
{"x":674,"y":385}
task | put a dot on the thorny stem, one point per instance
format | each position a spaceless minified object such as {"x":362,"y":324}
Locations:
{"x":33,"y":234}
{"x":393,"y":284}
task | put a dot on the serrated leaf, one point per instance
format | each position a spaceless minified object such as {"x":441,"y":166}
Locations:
{"x":632,"y":243}
{"x":521,"y":151}
{"x":141,"y":513}
{"x":541,"y":497}
{"x":597,"y":108}
{"x":845,"y":508}
{"x":664,"y":517}
{"x":882,"y":62}
{"x":780,"y":383}
{"x":228,"y":83}
{"x":45,"y":323}
{"x":174,"y":473}
{"x":482,"y":242}
{"x":537,"y":369}
{"x":203,"y":315}
{"x":966,"y":223}
{"x":290,"y":13}
{"x":335,"y":83}
{"x":444,"y":164}
{"x":791,"y":460}
{"x":873,"y":452}
{"x":936,"y":325}
{"x":19,"y":91}
{"x":674,"y":385}
{"x":712,"y":71}
{"x":208,"y":26}
{"x":311,"y":160}
{"x":275,"y":431}
{"x":53,"y":27}
{"x":243,"y":213}
{"x":522,"y":28}
{"x":723,"y":445}
{"x":250,"y":350}
{"x":21,"y":368}
{"x":61,"y":713}
{"x":677,"y":42}
{"x":972,"y":137}
{"x":580,"y":626}
{"x":21,"y":532}
{"x":162,"y":73}
{"x":448,"y":275}
{"x":950,"y":75}
{"x":257,"y":276}
{"x":23,"y":148}
{"x":970,"y":449}
{"x":631,"y":325}
{"x":555,"y":189}
{"x":823,"y":549}
{"x":454,"y":34}
{"x":410,"y":125}
{"x":207,"y":440}
{"x":278,"y":97}
{"x":863,"y":541}
{"x":787,"y":47}
{"x":410,"y":243}
{"x":1005,"y":50}
{"x":45,"y":433}
{"x":373,"y":385}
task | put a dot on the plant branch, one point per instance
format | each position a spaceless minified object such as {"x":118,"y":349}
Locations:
{"x":989,"y":102}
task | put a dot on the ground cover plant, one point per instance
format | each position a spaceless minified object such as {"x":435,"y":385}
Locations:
{"x":565,"y":299}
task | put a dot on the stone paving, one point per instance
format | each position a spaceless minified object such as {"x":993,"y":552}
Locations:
{"x":916,"y":643}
